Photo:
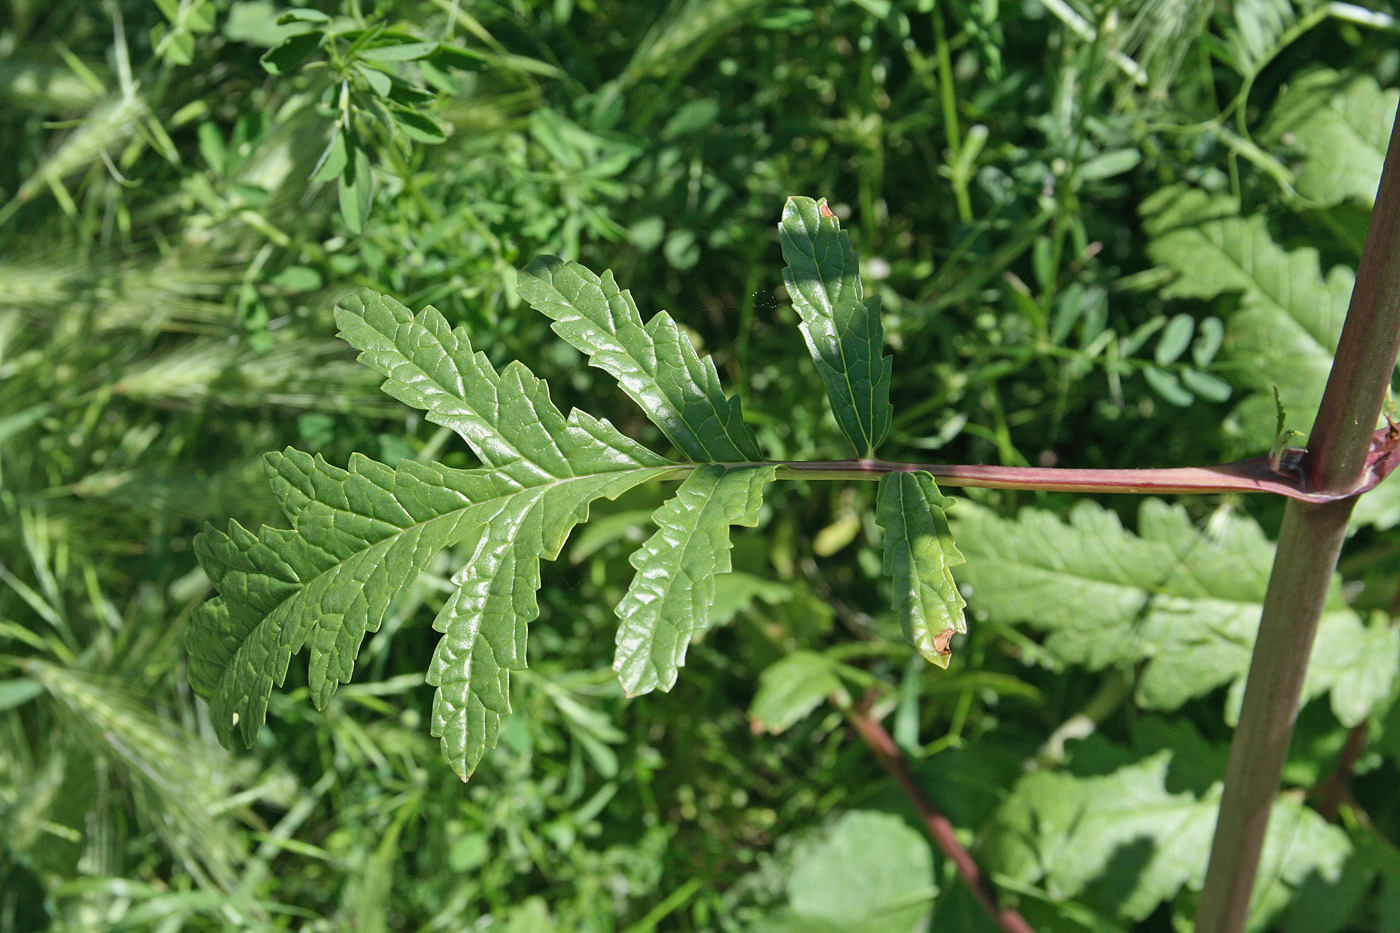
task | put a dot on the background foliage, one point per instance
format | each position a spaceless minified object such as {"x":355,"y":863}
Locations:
{"x":1100,"y":235}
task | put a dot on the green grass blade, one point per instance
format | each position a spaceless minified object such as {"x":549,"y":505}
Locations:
{"x":919,"y":557}
{"x":842,"y":328}
{"x":670,"y":597}
{"x":655,"y":363}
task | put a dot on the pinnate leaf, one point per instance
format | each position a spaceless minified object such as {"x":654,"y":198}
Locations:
{"x":669,"y":600}
{"x":919,"y":557}
{"x":359,"y":536}
{"x":1183,"y":603}
{"x":655,"y":363}
{"x":842,"y":328}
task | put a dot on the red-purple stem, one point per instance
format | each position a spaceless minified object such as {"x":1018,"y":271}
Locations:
{"x":1258,"y":474}
{"x":938,"y":826}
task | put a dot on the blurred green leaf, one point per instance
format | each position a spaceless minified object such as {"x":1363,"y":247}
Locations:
{"x":294,"y":52}
{"x":356,"y":189}
{"x":869,"y":872}
{"x":793,"y":687}
{"x":399,"y":52}
{"x":1341,"y":124}
{"x":1176,"y":336}
{"x":1122,"y":843}
{"x":1183,"y":603}
{"x":1168,"y":386}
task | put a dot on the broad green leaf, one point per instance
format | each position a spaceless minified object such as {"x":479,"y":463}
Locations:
{"x":1068,"y":834}
{"x":842,"y":327}
{"x":735,"y":591}
{"x":919,"y":557}
{"x":359,"y":536}
{"x":1341,"y":124}
{"x":1290,"y":316}
{"x":655,"y":364}
{"x":1185,"y":604}
{"x":669,"y":600}
{"x":868,"y":873}
{"x":791,"y":688}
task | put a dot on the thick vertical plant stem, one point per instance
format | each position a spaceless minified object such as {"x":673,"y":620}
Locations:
{"x":1309,"y":543}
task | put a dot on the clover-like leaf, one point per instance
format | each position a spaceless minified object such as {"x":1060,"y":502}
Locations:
{"x":1290,"y":316}
{"x":842,"y":327}
{"x":919,"y":557}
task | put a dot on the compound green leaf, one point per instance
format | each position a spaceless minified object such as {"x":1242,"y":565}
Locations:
{"x":670,"y":598}
{"x":655,"y":364}
{"x":919,"y":557}
{"x":1185,"y":604}
{"x":1065,"y":834}
{"x":359,"y":536}
{"x":1341,"y":124}
{"x":842,"y":328}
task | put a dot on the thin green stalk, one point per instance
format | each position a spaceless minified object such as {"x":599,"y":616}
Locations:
{"x":1340,"y":457}
{"x":948,"y":100}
